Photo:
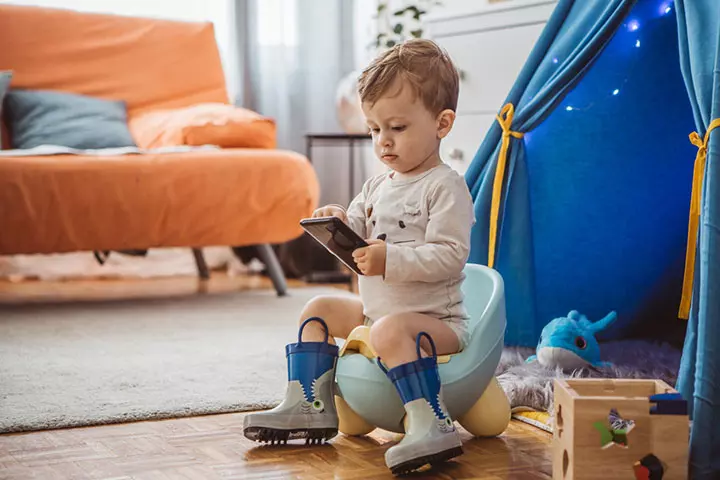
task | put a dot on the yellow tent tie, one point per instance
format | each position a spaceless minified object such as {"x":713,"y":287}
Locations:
{"x":505,"y":120}
{"x":694,"y":220}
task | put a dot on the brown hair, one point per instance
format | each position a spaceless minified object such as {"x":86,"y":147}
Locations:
{"x":424,"y":65}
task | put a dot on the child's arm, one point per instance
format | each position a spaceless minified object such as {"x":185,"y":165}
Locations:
{"x":447,"y":239}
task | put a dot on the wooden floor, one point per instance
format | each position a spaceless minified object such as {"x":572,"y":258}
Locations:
{"x":213,"y":447}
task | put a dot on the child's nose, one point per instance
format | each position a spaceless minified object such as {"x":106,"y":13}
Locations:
{"x":384,"y":140}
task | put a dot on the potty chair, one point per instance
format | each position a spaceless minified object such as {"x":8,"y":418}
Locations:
{"x":365,"y":398}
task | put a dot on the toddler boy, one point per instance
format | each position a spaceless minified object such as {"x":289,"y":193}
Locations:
{"x":416,"y":218}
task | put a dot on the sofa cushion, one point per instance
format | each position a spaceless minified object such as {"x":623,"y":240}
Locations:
{"x":147,"y":62}
{"x":44,"y":117}
{"x":5,"y":78}
{"x":219,"y":124}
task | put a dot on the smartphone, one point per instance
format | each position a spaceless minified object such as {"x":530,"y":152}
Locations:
{"x":337,"y":237}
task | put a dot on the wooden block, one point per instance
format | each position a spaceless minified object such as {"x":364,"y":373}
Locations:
{"x":584,"y":446}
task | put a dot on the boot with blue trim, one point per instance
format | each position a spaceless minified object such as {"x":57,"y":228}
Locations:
{"x":308,"y":409}
{"x":430,"y":434}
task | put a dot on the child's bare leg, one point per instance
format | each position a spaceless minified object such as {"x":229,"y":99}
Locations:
{"x":341,"y":314}
{"x":430,"y":435}
{"x":393,"y":337}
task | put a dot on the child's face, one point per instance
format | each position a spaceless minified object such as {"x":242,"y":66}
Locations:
{"x":406,"y":136}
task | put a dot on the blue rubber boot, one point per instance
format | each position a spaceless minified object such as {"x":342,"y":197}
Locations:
{"x":430,"y":435}
{"x":308,"y":410}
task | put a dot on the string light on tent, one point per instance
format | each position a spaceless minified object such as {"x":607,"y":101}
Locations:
{"x":663,"y":9}
{"x":555,"y":60}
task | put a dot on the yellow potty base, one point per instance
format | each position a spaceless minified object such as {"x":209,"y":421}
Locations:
{"x":350,"y":423}
{"x":490,"y":415}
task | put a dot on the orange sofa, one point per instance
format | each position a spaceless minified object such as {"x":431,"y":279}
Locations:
{"x":236,"y":196}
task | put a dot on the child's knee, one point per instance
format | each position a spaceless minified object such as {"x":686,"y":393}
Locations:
{"x":317,"y":307}
{"x":385,"y":334}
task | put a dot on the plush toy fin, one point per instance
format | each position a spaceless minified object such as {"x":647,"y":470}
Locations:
{"x":531,"y":358}
{"x":603,"y":323}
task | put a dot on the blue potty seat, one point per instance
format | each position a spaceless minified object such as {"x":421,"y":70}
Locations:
{"x":465,"y":376}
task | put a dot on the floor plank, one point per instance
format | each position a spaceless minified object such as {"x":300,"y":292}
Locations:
{"x":213,"y":446}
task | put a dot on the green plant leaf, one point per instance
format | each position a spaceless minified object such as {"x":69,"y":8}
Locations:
{"x":390,"y":43}
{"x":416,"y":33}
{"x":379,"y":38}
{"x":398,"y":28}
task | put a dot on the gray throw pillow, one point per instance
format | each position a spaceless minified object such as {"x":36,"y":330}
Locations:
{"x":42,"y":117}
{"x":5,"y":78}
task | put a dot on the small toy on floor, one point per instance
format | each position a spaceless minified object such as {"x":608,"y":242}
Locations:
{"x":570,"y":343}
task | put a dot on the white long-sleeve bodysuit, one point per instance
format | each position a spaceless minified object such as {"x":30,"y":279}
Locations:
{"x":426,"y":220}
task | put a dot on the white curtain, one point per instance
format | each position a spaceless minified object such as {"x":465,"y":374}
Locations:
{"x":294,"y":54}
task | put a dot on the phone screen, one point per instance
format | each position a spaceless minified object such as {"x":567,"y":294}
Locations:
{"x":337,"y":237}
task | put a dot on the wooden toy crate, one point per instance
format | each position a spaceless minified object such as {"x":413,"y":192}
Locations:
{"x":581,"y":449}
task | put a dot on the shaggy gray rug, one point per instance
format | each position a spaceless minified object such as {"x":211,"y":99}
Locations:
{"x":105,"y":362}
{"x":531,"y":385}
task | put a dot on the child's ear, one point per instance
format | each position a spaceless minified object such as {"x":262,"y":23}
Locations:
{"x":445,"y":121}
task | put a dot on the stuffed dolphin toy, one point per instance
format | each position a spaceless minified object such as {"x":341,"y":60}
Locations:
{"x":569,"y":342}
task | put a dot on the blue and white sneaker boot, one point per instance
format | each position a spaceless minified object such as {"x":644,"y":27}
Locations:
{"x":308,"y":410}
{"x":430,"y":435}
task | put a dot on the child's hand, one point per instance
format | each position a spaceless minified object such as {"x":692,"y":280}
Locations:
{"x":330,"y":211}
{"x":371,"y":259}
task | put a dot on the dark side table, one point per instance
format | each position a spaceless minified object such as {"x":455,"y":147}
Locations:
{"x":349,"y":139}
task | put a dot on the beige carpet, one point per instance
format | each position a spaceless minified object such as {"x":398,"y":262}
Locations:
{"x":96,"y":363}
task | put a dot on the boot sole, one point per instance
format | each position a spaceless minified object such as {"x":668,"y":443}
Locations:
{"x":435,"y":458}
{"x":312,"y":436}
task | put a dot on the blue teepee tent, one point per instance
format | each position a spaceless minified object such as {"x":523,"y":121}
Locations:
{"x":590,"y":195}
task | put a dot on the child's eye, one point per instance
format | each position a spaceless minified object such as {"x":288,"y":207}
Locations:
{"x":374,"y":130}
{"x":399,"y":129}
